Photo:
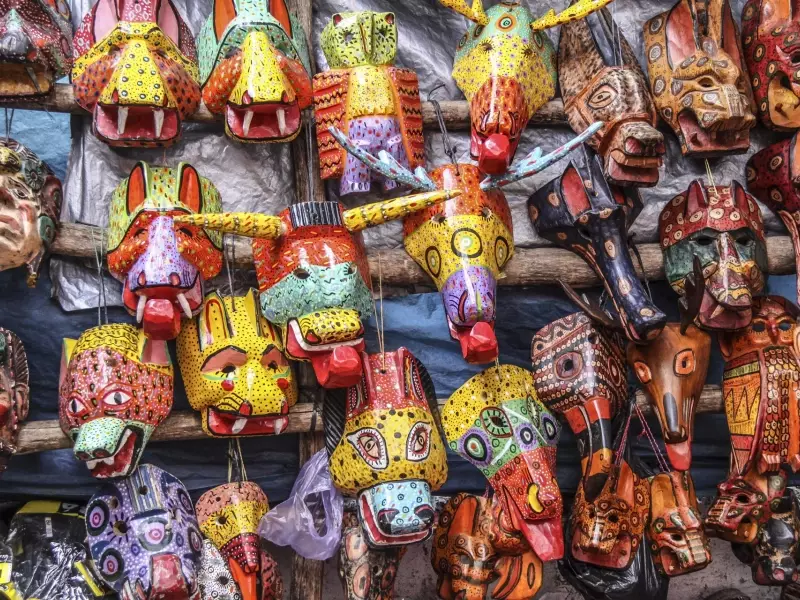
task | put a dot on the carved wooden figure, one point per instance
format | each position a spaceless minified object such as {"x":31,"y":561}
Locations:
{"x":367,"y":573}
{"x":14,"y":393}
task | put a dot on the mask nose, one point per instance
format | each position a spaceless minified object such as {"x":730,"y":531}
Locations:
{"x":468,"y":296}
{"x":16,"y":46}
{"x":495,"y":154}
{"x":640,"y":139}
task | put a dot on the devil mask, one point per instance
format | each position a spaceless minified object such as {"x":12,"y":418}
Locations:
{"x":581,"y":212}
{"x":672,"y":369}
{"x":14,"y":393}
{"x":384,"y":447}
{"x":367,"y":573}
{"x":234,"y":368}
{"x":254,"y":69}
{"x":496,"y":422}
{"x":143,"y":536}
{"x":314,"y":277}
{"x":115,"y":389}
{"x":162,"y":264}
{"x":601,"y":80}
{"x":136,"y":72}
{"x":30,"y":205}
{"x":719,"y":227}
{"x":698,"y":77}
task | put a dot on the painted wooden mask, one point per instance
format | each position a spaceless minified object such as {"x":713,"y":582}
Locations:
{"x":162,"y":264}
{"x":234,"y":369}
{"x":30,"y":207}
{"x":254,"y":69}
{"x":313,"y":276}
{"x":673,"y":369}
{"x":384,"y":447}
{"x":721,"y":228}
{"x":698,"y":77}
{"x":115,"y":388}
{"x":14,"y":393}
{"x":601,"y":80}
{"x":35,"y":46}
{"x":143,"y":536}
{"x":675,"y":530}
{"x":229,"y":515}
{"x":214,"y":576}
{"x":496,"y":422}
{"x":367,"y":573}
{"x":136,"y":71}
{"x":579,"y":372}
{"x":581,"y":212}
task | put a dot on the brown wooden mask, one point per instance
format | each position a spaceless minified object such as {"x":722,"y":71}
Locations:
{"x":14,"y":393}
{"x":698,"y":77}
{"x":367,"y":573}
{"x":673,"y":371}
{"x":597,"y":84}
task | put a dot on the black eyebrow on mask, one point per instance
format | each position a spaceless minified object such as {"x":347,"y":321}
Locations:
{"x":225,"y":349}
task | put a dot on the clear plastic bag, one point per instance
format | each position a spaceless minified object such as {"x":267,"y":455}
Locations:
{"x":310,"y":520}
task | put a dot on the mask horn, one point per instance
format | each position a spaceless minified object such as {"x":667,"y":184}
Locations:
{"x":377,"y":213}
{"x":475,"y":13}
{"x":592,"y":309}
{"x":575,"y":12}
{"x":252,"y":225}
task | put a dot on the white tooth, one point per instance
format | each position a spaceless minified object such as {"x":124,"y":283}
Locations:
{"x":122,"y":119}
{"x":158,"y":116}
{"x":239,"y":424}
{"x":187,"y":310}
{"x":140,"y":308}
{"x":281,"y":121}
{"x":92,"y":463}
{"x":248,"y":118}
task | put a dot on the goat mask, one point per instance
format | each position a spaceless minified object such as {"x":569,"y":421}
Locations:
{"x":14,"y":393}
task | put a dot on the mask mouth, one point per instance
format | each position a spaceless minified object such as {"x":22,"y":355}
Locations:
{"x":381,"y":524}
{"x":24,"y":79}
{"x":224,"y":423}
{"x":336,"y":364}
{"x":123,"y":460}
{"x":635,"y":154}
{"x":263,"y":122}
{"x":136,"y":123}
{"x":720,"y":138}
{"x":168,"y":579}
{"x":716,"y":315}
{"x":478,"y":342}
{"x":158,"y":308}
{"x":784,"y":103}
{"x":544,"y":536}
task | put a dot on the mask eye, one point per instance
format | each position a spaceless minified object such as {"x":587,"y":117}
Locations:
{"x":274,"y":359}
{"x":370,"y":446}
{"x":418,"y":444}
{"x":476,"y":448}
{"x":704,"y":240}
{"x":642,"y":372}
{"x":301,"y":273}
{"x":116,"y":398}
{"x":684,"y":363}
{"x":77,"y":408}
{"x":785,"y":325}
{"x":758,"y":326}
{"x":569,"y":365}
{"x":495,"y":421}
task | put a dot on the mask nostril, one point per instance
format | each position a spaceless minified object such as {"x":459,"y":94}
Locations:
{"x":174,"y":279}
{"x":142,"y":279}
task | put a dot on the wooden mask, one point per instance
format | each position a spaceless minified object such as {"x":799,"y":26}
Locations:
{"x":579,"y":372}
{"x":367,"y":573}
{"x":214,"y":576}
{"x":672,"y":369}
{"x":601,"y":80}
{"x":14,"y":393}
{"x":581,"y":212}
{"x":720,"y":229}
{"x":698,"y":77}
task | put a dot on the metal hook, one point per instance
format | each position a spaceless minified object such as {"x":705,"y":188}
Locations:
{"x":449,"y":149}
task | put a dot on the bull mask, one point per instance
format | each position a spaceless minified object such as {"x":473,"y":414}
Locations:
{"x":384,"y":447}
{"x":367,"y":573}
{"x":698,"y":77}
{"x":14,"y":393}
{"x":581,"y":212}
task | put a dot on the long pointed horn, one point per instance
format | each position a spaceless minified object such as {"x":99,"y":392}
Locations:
{"x":252,"y":225}
{"x":475,"y":13}
{"x":574,"y":13}
{"x":357,"y":219}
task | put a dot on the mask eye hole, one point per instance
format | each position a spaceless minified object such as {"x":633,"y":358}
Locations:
{"x":684,"y":362}
{"x":584,"y":232}
{"x":301,"y":273}
{"x":613,"y":519}
{"x":742,"y":499}
{"x":569,"y":365}
{"x":706,"y":83}
{"x":795,"y":58}
{"x":785,"y":325}
{"x":743,"y":239}
{"x":274,"y":359}
{"x":676,"y":537}
{"x":704,"y":240}
{"x":759,"y":326}
{"x":186,"y":231}
{"x":642,"y":371}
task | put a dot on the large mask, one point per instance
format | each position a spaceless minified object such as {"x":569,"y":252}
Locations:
{"x":496,"y":422}
{"x":367,"y":573}
{"x":30,"y":207}
{"x":719,"y":228}
{"x":601,"y":80}
{"x":579,"y":372}
{"x":375,"y":103}
{"x":115,"y":388}
{"x":143,"y":536}
{"x":673,"y":369}
{"x":35,"y":47}
{"x":313,"y":276}
{"x":161,"y":263}
{"x":229,"y":515}
{"x":761,"y":388}
{"x":234,"y":369}
{"x":136,"y":72}
{"x":676,"y":534}
{"x":254,"y":69}
{"x":506,"y":67}
{"x":14,"y":393}
{"x":698,"y":77}
{"x":581,"y":212}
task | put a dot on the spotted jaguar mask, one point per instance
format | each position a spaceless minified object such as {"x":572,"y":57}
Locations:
{"x":115,"y":388}
{"x":14,"y":393}
{"x":234,"y":369}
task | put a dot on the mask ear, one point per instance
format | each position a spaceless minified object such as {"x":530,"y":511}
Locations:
{"x":168,"y":21}
{"x":213,"y":325}
{"x":105,"y":19}
{"x":573,"y":191}
{"x":224,"y":13}
{"x":277,"y":8}
{"x":67,"y":347}
{"x":695,"y":198}
{"x":137,"y":187}
{"x":189,"y":192}
{"x":773,"y":12}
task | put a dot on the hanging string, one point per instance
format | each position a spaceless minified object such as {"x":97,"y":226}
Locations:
{"x":641,"y":265}
{"x":447,"y":146}
{"x":310,"y":157}
{"x":710,"y":176}
{"x":662,"y":463}
{"x":623,"y":442}
{"x":99,"y":255}
{"x":379,"y":315}
{"x":9,"y":122}
{"x":235,"y":455}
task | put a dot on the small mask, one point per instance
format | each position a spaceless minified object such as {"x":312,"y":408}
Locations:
{"x":496,"y":422}
{"x":673,"y":369}
{"x":384,"y":447}
{"x":313,"y":275}
{"x":601,"y":80}
{"x":162,"y":264}
{"x":30,"y":206}
{"x":364,"y":95}
{"x":367,"y":573}
{"x":136,"y":71}
{"x":519,"y":568}
{"x":770,"y":34}
{"x":229,"y":515}
{"x":676,"y":534}
{"x":698,"y":77}
{"x":234,"y":369}
{"x":14,"y":393}
{"x":721,"y":227}
{"x":143,"y":536}
{"x":35,"y":47}
{"x":214,"y":576}
{"x":579,"y":372}
{"x":254,"y":68}
{"x":761,"y":387}
{"x":115,"y":388}
{"x":581,"y":212}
